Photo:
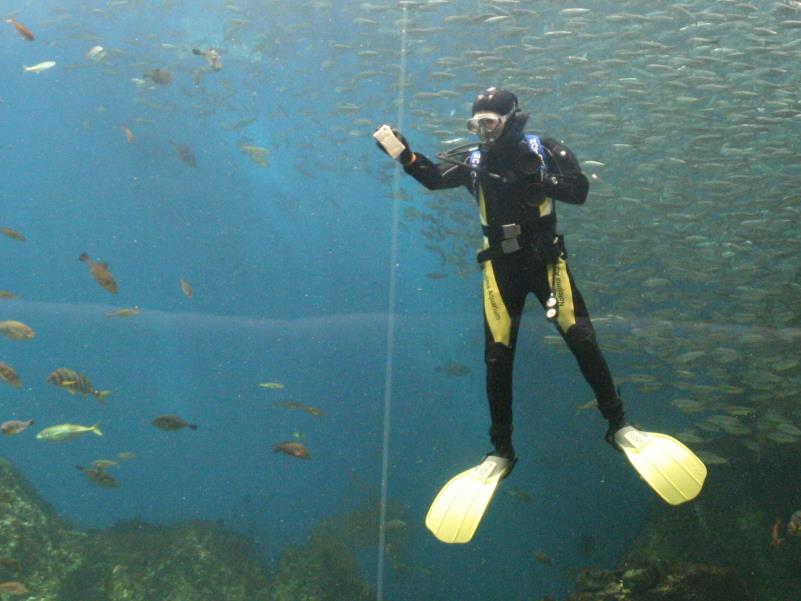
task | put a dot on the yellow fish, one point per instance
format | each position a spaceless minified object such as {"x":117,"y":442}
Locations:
{"x":63,"y":432}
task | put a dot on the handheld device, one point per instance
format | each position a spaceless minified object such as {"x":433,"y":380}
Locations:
{"x":389,"y":142}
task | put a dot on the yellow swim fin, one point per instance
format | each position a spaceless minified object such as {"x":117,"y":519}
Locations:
{"x":458,"y":508}
{"x":669,"y":467}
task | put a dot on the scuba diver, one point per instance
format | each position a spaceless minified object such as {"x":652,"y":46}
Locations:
{"x":516,"y":177}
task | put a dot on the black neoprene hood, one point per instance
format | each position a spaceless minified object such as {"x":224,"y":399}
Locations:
{"x":495,"y":100}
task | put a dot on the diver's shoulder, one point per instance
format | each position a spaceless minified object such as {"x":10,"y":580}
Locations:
{"x":548,"y":141}
{"x":555,"y":146}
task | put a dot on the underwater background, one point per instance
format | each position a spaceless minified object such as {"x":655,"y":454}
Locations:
{"x":259,"y":184}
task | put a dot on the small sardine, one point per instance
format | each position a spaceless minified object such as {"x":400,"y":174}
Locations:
{"x":123,"y":312}
{"x":186,"y":288}
{"x":129,"y":135}
{"x":13,"y":234}
{"x":39,"y":67}
{"x":96,"y":54}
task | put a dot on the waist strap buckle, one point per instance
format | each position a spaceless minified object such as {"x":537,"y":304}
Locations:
{"x":511,"y":230}
{"x":510,"y":233}
{"x":510,"y":245}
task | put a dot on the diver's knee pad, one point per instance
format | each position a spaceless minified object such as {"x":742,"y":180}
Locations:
{"x":499,"y":354}
{"x":580,"y":335}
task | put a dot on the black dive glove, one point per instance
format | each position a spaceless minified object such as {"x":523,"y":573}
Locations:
{"x":529,"y":163}
{"x":406,"y":156}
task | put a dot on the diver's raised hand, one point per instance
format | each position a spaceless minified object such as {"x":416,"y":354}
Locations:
{"x":392,"y":142}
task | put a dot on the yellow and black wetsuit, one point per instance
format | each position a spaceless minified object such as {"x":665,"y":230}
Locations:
{"x":522,"y":253}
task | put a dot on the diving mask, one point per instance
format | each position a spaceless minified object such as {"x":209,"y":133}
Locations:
{"x":488,"y":126}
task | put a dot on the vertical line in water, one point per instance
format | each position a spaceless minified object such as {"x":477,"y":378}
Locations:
{"x":393,"y":260}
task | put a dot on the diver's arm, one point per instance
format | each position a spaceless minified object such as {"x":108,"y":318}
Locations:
{"x":436,"y":176}
{"x":419,"y":166}
{"x":564,"y":180}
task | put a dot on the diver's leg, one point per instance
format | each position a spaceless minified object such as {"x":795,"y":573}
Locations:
{"x":574,"y":325}
{"x":499,"y":359}
{"x":503,"y":305}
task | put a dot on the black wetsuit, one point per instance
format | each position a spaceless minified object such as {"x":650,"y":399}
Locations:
{"x":513,"y":191}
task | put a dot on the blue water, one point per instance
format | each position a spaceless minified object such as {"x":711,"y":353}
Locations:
{"x":291,"y":271}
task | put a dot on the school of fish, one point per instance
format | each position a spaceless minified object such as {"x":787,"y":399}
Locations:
{"x":685,"y":118}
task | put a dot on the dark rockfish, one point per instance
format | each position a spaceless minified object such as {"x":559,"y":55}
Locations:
{"x":172,"y":422}
{"x":8,"y":375}
{"x":99,"y":476}
{"x":74,"y":382}
{"x":293,"y":449}
{"x":184,"y":153}
{"x":159,"y":76}
{"x":15,"y":426}
{"x":101,"y":273}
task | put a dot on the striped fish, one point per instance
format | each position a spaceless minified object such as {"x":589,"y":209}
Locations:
{"x":74,"y":382}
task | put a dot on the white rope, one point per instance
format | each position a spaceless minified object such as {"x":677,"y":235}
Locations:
{"x":393,"y":260}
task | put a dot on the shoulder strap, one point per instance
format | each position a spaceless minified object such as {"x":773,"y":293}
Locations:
{"x":473,"y":162}
{"x":537,"y":147}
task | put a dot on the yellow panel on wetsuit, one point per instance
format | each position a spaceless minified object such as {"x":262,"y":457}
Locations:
{"x":495,"y":311}
{"x":546,"y":207}
{"x":482,"y":206}
{"x":563,"y":292}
